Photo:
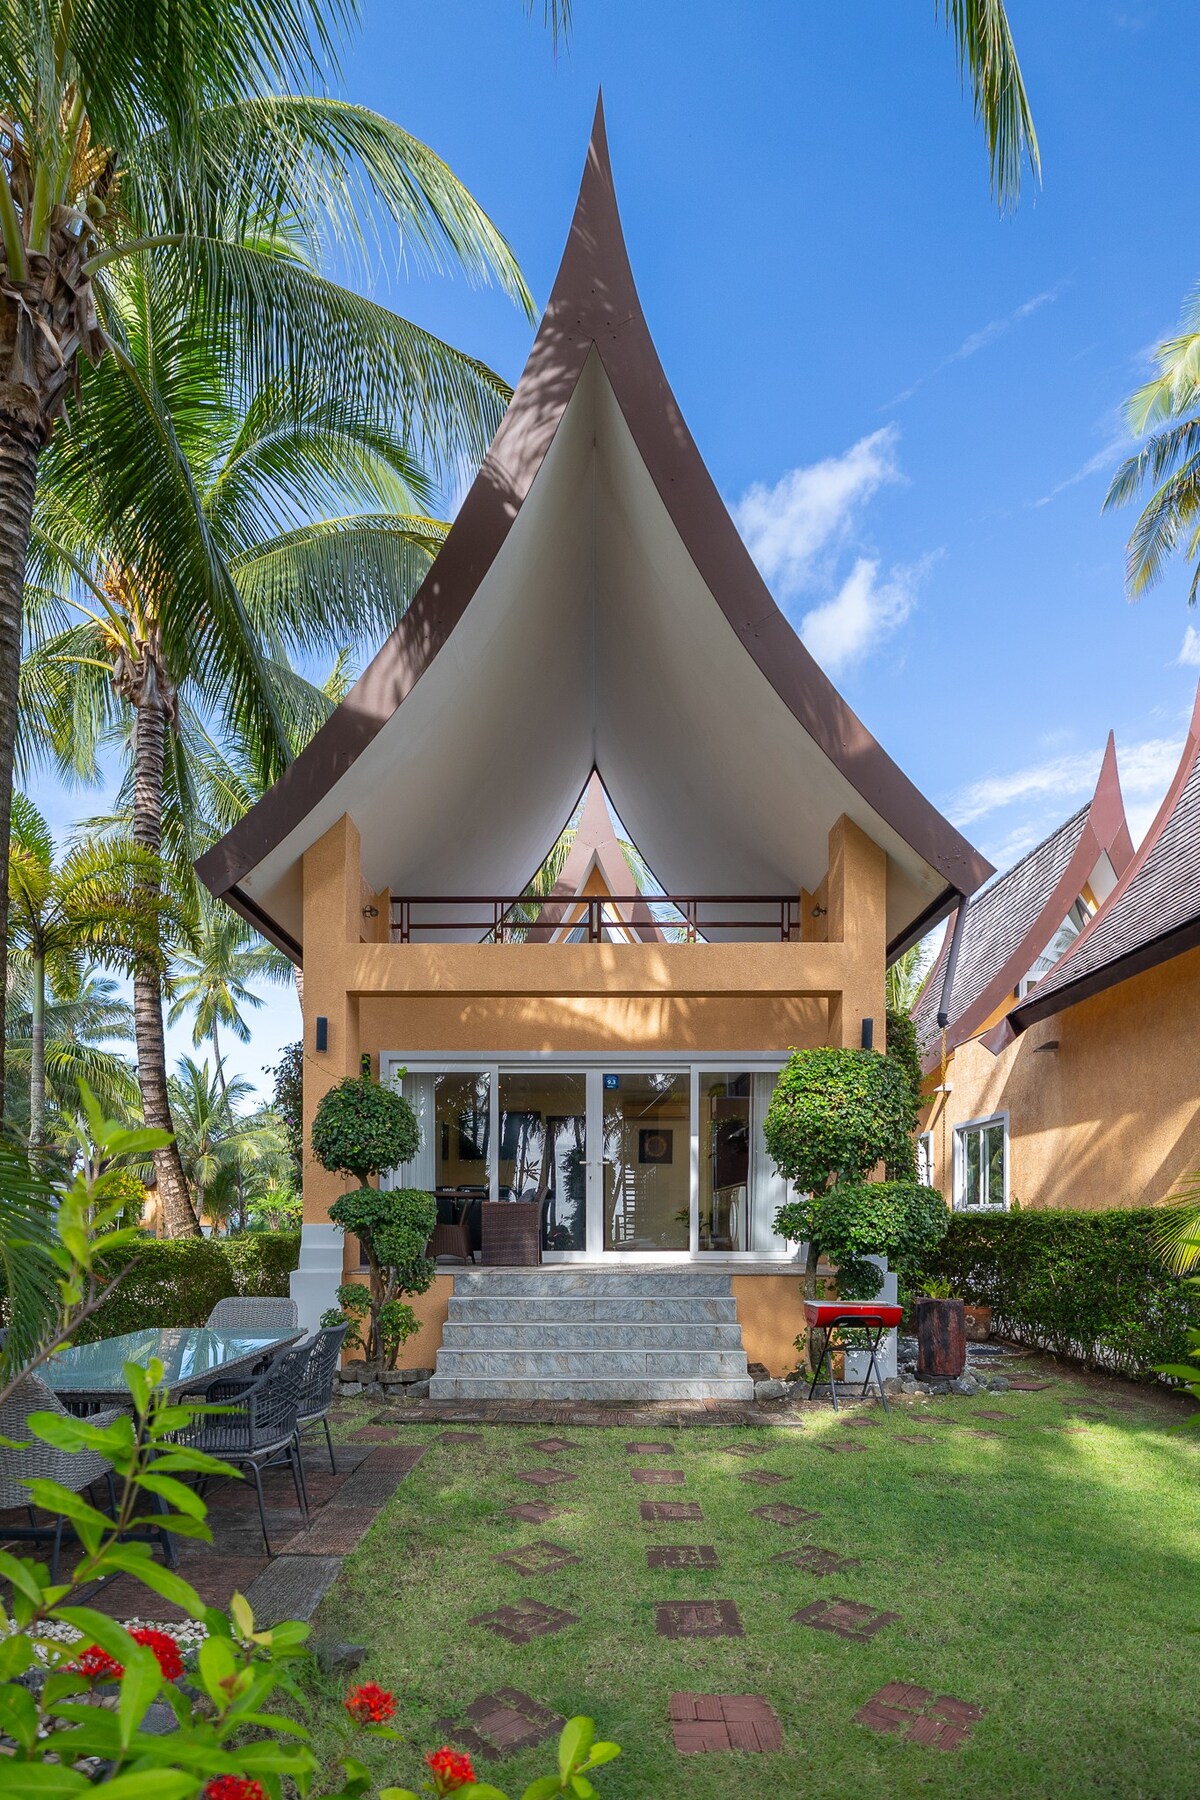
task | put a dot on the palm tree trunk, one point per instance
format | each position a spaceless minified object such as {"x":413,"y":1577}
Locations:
{"x":150,"y":725}
{"x":37,"y":1058}
{"x":21,"y":440}
{"x":224,"y":1085}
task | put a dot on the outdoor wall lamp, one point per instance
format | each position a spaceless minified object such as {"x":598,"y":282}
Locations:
{"x":818,"y":912}
{"x":370,"y":912}
{"x":868,"y":1034}
{"x":322,"y":1032}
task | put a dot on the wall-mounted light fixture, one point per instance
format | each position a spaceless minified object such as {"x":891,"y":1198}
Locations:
{"x":370,"y":912}
{"x":818,"y":912}
{"x":322,"y":1032}
{"x":868,"y":1034}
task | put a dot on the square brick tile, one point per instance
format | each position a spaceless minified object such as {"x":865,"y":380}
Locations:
{"x":762,"y":1477}
{"x":553,"y":1446}
{"x":914,"y":1437}
{"x":1020,"y":1386}
{"x":816,"y":1560}
{"x":502,"y":1723}
{"x":743,"y":1449}
{"x":990,"y":1412}
{"x":460,"y":1437}
{"x":697,"y":1619}
{"x":649,"y":1449}
{"x":784,"y":1514}
{"x":527,"y":1620}
{"x":541,"y":1558}
{"x":374,"y":1434}
{"x":715,"y":1722}
{"x":938,"y":1722}
{"x":545,"y":1477}
{"x":681,"y":1556}
{"x":653,"y":1510}
{"x":836,"y":1444}
{"x":658,"y":1477}
{"x":845,"y":1618}
{"x":533,"y":1513}
{"x":860,"y":1423}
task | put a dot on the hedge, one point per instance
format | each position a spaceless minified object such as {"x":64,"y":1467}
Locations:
{"x":1084,"y":1285}
{"x":178,"y":1281}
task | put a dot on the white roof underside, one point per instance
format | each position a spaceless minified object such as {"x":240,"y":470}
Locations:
{"x":592,"y":641}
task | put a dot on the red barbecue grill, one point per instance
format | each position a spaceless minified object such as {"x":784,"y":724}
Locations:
{"x":864,"y":1315}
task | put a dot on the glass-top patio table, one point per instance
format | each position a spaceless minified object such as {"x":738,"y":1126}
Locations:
{"x":89,"y":1375}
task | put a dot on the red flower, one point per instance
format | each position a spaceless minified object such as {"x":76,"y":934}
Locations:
{"x":451,"y":1770}
{"x":369,"y":1704}
{"x":96,"y":1665}
{"x":234,"y":1787}
{"x":165,"y":1649}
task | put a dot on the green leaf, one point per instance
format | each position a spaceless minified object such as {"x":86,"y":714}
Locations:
{"x":139,"y":1560}
{"x":139,"y":1684}
{"x":218,"y":1663}
{"x":19,"y":1715}
{"x":573,"y":1743}
{"x":150,"y":1784}
{"x":98,"y":1628}
{"x":544,"y":1788}
{"x":23,"y":1575}
{"x":602,"y":1752}
{"x":89,"y":1522}
{"x":41,"y":1781}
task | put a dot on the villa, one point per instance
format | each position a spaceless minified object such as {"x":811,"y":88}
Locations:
{"x":594,"y":1056}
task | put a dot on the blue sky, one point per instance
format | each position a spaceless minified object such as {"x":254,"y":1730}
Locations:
{"x":911,"y":405}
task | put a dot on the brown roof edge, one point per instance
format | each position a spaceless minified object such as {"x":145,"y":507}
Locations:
{"x":594,"y":302}
{"x":274,"y":934}
{"x":1144,"y":956}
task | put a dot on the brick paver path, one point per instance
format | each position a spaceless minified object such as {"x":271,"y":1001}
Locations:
{"x":784,"y":1514}
{"x":846,"y":1618}
{"x":697,"y":1619}
{"x":541,"y":1558}
{"x":527,"y":1620}
{"x":712,"y":1722}
{"x":502,"y":1723}
{"x":681,"y":1556}
{"x":936,"y":1720}
{"x":652,"y":1510}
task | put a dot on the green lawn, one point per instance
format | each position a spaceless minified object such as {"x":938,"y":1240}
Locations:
{"x":1052,"y":1577}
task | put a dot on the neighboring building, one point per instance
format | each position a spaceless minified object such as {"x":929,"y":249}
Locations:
{"x":593,"y":615}
{"x":1071,"y":1071}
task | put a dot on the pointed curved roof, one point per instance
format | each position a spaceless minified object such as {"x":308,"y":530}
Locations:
{"x":593,"y":607}
{"x":1009,"y":924}
{"x":1151,"y":915}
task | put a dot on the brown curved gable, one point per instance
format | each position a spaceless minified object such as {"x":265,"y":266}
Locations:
{"x":594,"y":303}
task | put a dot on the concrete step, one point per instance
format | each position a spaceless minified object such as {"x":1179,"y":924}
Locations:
{"x":563,"y":1278}
{"x":592,"y":1365}
{"x":585,"y":1335}
{"x":614,"y":1391}
{"x":609,"y":1309}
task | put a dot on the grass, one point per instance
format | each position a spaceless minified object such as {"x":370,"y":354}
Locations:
{"x":1049,"y":1576}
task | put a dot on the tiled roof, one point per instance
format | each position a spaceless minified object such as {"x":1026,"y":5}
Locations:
{"x":998,"y":918}
{"x":1148,"y":912}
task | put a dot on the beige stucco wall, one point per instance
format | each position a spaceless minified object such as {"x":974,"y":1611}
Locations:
{"x":1111,"y":1117}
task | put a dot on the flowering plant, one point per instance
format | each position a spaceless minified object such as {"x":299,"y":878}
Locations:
{"x":578,"y":1754}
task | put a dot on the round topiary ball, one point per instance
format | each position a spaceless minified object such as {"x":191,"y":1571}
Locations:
{"x":362,"y":1128}
{"x":834,"y":1114}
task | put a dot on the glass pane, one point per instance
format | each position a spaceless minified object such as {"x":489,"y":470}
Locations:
{"x":994,"y":1151}
{"x":455,"y":1120}
{"x":725,"y":1162}
{"x":543,"y":1151}
{"x":647,"y":1161}
{"x":971,"y":1168}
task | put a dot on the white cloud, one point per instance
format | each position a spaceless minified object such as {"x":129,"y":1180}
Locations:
{"x":1053,"y":788}
{"x":1104,"y":461}
{"x":976,"y":341}
{"x":862,"y":612}
{"x":809,"y":511}
{"x":1189,"y":650}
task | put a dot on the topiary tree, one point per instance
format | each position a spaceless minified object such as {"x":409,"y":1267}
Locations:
{"x":901,"y":1220}
{"x":362,"y":1129}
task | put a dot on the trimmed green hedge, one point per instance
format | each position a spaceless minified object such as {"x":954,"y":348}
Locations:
{"x":178,"y":1281}
{"x":1084,"y":1285}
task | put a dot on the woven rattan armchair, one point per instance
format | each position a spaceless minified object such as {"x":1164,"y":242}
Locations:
{"x":316,"y":1391}
{"x":73,"y":1469}
{"x":260,"y":1429}
{"x":241,"y":1312}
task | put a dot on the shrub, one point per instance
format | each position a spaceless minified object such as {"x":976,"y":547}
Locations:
{"x":898,"y":1219}
{"x":288,"y":1101}
{"x":835,"y":1114}
{"x":362,"y":1128}
{"x":169,"y":1281}
{"x":262,"y":1261}
{"x":1086,"y":1285}
{"x":393,"y":1226}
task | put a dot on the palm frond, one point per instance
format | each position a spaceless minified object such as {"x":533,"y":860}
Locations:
{"x":987,"y":59}
{"x":29,"y":1277}
{"x":1177,"y":1237}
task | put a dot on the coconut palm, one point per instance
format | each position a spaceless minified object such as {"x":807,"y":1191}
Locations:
{"x":906,"y":977}
{"x":214,"y":980}
{"x":101,"y":903}
{"x":85,"y":1016}
{"x":217,"y":1142}
{"x":155,"y":141}
{"x":1168,"y":463}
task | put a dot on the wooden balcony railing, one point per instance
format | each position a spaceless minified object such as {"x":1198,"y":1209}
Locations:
{"x":596,"y":918}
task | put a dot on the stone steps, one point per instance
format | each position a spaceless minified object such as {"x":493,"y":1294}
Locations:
{"x":623,"y":1335}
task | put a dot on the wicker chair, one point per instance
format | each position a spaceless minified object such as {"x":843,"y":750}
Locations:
{"x":259,"y":1430}
{"x":73,"y":1469}
{"x":316,"y":1391}
{"x":243,"y":1313}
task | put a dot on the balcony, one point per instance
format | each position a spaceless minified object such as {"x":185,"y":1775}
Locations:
{"x":596,"y":919}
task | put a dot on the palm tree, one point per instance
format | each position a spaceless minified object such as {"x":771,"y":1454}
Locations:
{"x":155,"y":142}
{"x":906,"y":977}
{"x":987,"y":59}
{"x":1168,"y":463}
{"x":213,"y":980}
{"x":217,"y":1142}
{"x":102,"y":903}
{"x":84,"y":1016}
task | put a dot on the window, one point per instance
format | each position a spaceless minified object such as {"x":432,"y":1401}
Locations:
{"x":1062,"y":940}
{"x":981,"y":1164}
{"x":925,"y":1159}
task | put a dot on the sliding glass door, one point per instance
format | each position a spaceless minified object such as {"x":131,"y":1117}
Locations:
{"x":647,"y":1181}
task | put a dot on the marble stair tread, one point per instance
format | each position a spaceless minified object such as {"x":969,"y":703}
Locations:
{"x":616,"y":1308}
{"x":587,"y":1335}
{"x":476,"y":1387}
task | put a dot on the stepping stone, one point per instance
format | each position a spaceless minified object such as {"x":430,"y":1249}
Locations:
{"x":501,"y":1724}
{"x":334,"y":1531}
{"x":843,"y":1444}
{"x":703,"y":1723}
{"x":816,"y":1560}
{"x":545,"y":1477}
{"x":535,"y":1514}
{"x":527,"y":1620}
{"x":553,"y":1446}
{"x":374,"y":1434}
{"x":846,"y":1618}
{"x":460,"y":1437}
{"x":913,"y":1437}
{"x":936,"y":1720}
{"x":762,"y":1477}
{"x":784,"y":1514}
{"x":658,"y":1477}
{"x":681,"y":1556}
{"x":541,"y":1558}
{"x":653,"y":1510}
{"x":981,"y":1431}
{"x":697,"y":1619}
{"x":990,"y":1412}
{"x":860,"y":1424}
{"x":743,"y":1450}
{"x":1017,"y":1386}
{"x":649,"y":1449}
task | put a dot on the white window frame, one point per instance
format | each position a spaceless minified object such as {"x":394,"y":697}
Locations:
{"x":925,"y":1158}
{"x":960,"y":1130}
{"x":491,"y":1062}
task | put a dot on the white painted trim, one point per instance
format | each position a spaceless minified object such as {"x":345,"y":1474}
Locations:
{"x":996,"y":1118}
